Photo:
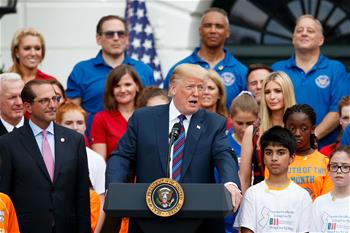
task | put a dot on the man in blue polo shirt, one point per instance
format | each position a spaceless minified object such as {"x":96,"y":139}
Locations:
{"x":318,"y":81}
{"x":213,"y":32}
{"x":86,"y":83}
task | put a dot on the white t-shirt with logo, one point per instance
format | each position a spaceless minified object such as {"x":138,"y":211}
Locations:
{"x":271,"y":210}
{"x":331,"y":214}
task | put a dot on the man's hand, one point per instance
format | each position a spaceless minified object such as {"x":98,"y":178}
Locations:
{"x":236,"y":195}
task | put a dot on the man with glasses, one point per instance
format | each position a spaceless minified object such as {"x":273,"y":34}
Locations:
{"x":11,"y":106}
{"x":86,"y":83}
{"x":44,"y":168}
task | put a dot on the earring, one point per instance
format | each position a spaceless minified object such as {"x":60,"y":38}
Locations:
{"x":17,"y":55}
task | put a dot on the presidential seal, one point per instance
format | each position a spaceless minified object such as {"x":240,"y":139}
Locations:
{"x":164,"y":197}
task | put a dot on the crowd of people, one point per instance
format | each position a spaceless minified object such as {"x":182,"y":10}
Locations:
{"x":277,"y":137}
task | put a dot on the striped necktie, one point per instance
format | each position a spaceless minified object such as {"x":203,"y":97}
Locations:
{"x":178,"y":151}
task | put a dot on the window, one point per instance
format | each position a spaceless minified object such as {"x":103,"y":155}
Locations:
{"x":271,"y":22}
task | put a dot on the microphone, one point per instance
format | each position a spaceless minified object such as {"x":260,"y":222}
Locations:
{"x":175,"y":132}
{"x":173,"y":135}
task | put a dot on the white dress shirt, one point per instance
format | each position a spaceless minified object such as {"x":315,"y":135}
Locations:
{"x":173,"y":118}
{"x":39,"y":138}
{"x":10,"y":127}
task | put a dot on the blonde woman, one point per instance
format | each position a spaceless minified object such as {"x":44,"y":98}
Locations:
{"x":214,"y":95}
{"x":27,"y":52}
{"x":278,"y":95}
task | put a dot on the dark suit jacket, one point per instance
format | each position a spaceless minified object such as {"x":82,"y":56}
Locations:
{"x":3,"y":130}
{"x":146,"y":145}
{"x":39,"y":202}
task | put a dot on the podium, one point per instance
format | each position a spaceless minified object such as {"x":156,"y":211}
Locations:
{"x":202,"y":201}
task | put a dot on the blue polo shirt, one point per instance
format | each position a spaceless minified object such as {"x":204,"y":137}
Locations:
{"x":232,"y":72}
{"x":88,"y":78}
{"x":322,"y":87}
{"x":345,"y":138}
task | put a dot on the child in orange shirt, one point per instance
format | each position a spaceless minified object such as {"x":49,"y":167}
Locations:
{"x":309,"y":169}
{"x":8,"y":217}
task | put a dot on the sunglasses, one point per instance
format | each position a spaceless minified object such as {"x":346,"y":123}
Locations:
{"x":111,"y":34}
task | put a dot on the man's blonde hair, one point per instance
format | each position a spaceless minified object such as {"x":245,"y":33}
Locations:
{"x":188,"y":70}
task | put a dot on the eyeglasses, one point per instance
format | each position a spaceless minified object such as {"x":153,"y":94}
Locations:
{"x":46,"y":101}
{"x":333,"y":167}
{"x":111,"y":34}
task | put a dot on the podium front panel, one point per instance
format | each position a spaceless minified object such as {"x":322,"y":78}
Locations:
{"x":201,"y":201}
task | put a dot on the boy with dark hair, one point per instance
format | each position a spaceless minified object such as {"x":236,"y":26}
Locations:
{"x":276,"y":204}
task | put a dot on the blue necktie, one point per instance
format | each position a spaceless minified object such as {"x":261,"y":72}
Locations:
{"x":178,"y":151}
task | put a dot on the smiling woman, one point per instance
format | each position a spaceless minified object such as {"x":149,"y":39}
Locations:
{"x":214,"y":95}
{"x":27,"y":52}
{"x":123,"y":86}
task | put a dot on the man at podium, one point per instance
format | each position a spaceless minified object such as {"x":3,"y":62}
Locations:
{"x":201,"y":142}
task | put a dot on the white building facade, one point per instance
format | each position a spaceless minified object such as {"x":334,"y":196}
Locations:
{"x":69,"y":29}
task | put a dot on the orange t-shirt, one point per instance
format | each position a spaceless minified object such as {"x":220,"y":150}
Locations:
{"x":95,"y":206}
{"x":8,"y":217}
{"x":310,"y":172}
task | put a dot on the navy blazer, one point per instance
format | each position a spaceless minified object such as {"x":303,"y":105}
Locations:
{"x":3,"y":130}
{"x":145,"y":145}
{"x":39,"y":202}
